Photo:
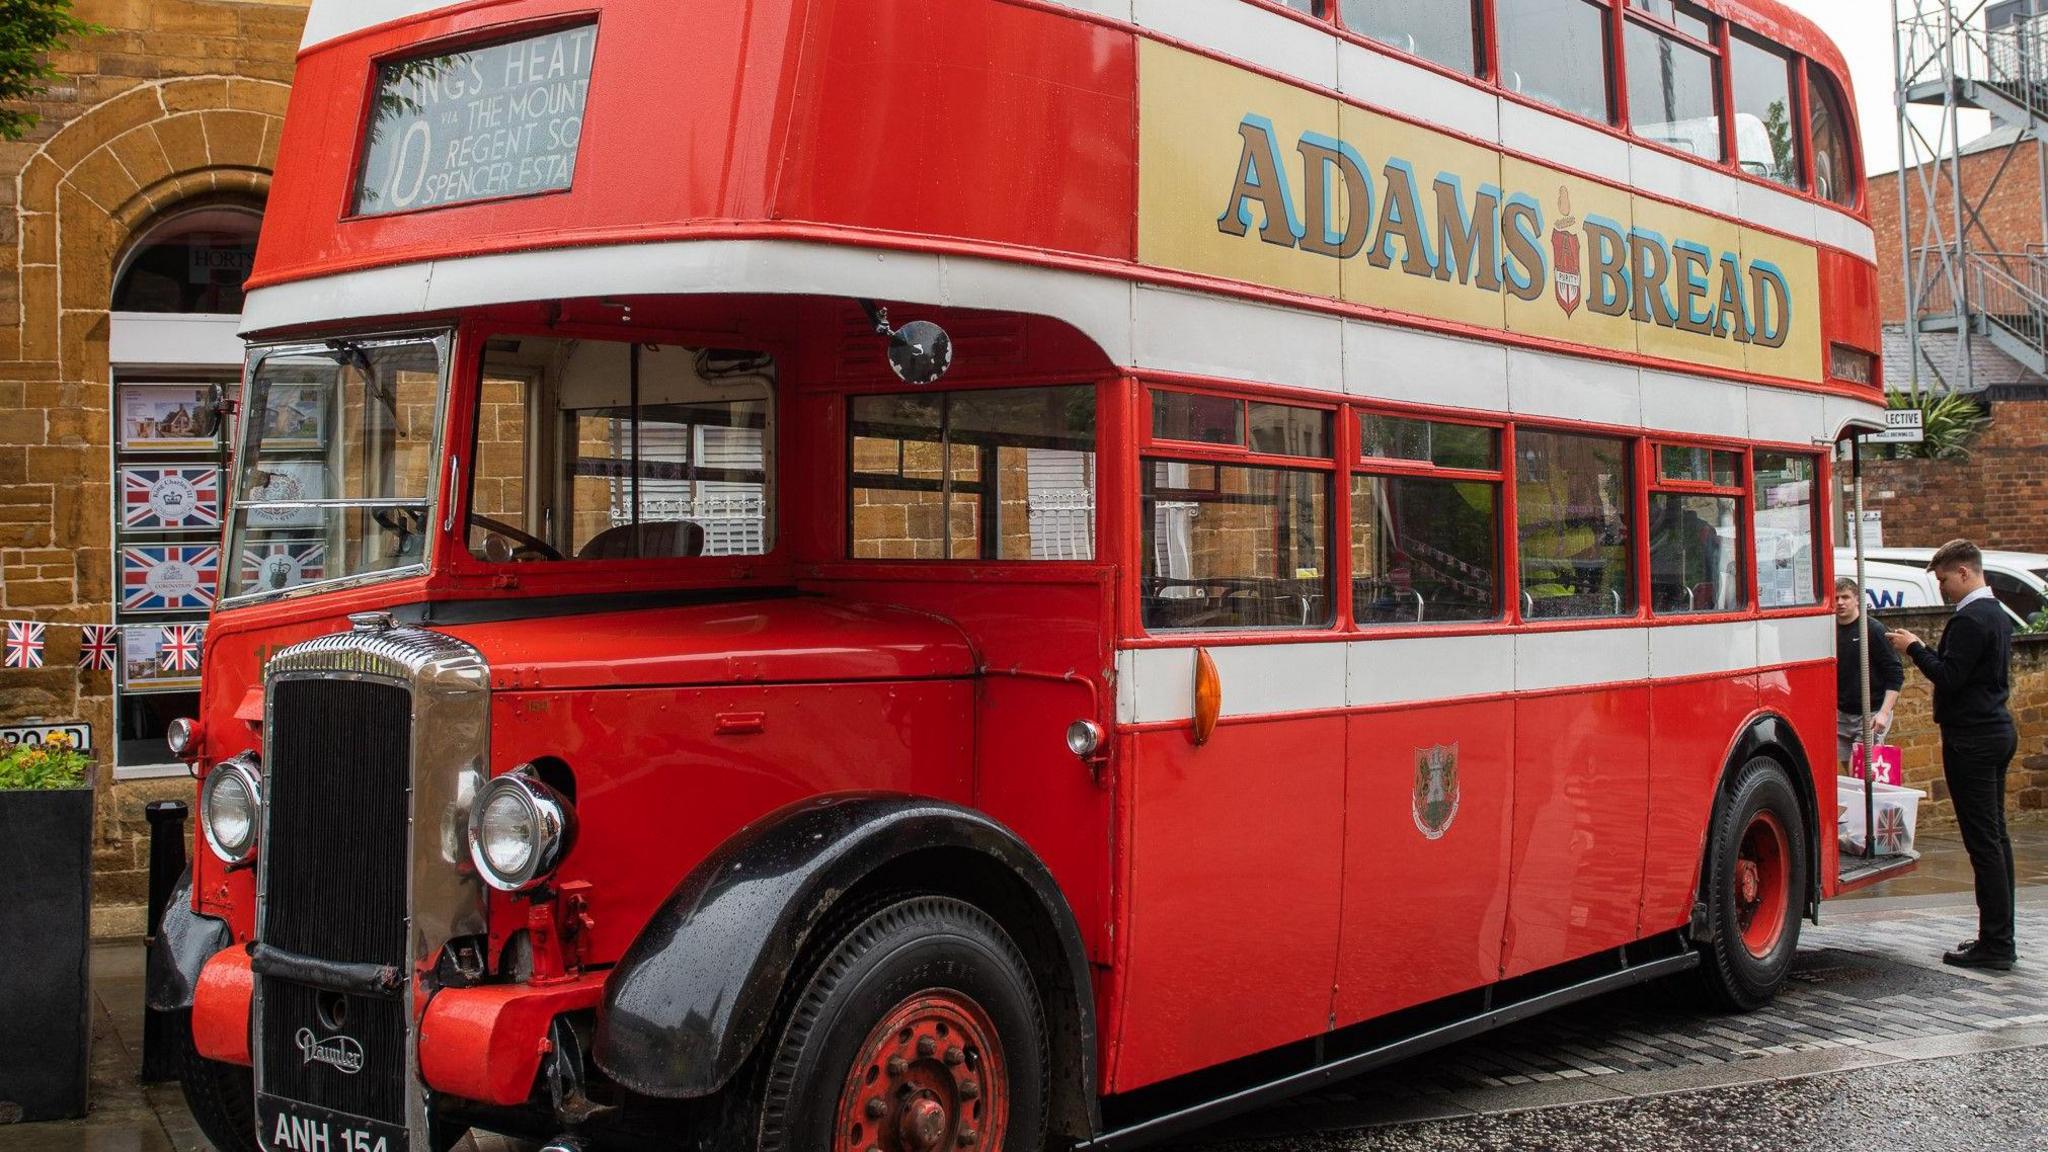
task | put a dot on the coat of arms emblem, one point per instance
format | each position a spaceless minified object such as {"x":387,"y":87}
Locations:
{"x":1564,"y":247}
{"x":1435,"y":803}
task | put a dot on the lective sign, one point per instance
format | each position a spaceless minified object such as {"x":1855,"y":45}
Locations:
{"x":481,"y":124}
{"x":1246,"y":177}
{"x":77,"y":731}
{"x":1902,"y":426}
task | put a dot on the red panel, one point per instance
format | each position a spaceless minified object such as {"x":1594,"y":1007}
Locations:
{"x":1805,"y":695}
{"x":1423,"y":917}
{"x":1236,"y":859}
{"x":988,"y":122}
{"x":220,"y":1007}
{"x":657,"y":786}
{"x":1848,"y":289}
{"x":485,"y":1043}
{"x":1692,"y":727}
{"x":1581,"y":800}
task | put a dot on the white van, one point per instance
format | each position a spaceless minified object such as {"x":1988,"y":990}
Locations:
{"x":2018,"y":579}
{"x":1889,"y":583}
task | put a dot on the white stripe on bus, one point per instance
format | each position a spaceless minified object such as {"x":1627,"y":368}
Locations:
{"x":1137,"y":326}
{"x":1155,"y":685}
{"x":1293,"y":49}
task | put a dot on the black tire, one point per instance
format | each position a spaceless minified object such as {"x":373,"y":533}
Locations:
{"x":222,"y":1097}
{"x":898,"y":954}
{"x":1741,"y":972}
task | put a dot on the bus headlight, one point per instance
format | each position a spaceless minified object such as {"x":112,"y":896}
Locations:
{"x":519,"y":831}
{"x":231,"y":809}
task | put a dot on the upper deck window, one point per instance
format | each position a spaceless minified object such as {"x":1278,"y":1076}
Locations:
{"x":1674,"y":88}
{"x":1559,"y":52}
{"x":1766,"y":145}
{"x":1834,"y":157}
{"x":480,"y":124}
{"x":1443,"y":31}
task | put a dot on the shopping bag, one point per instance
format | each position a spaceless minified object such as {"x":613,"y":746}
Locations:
{"x":1889,"y":760}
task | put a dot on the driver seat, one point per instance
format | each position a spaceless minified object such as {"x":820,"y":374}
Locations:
{"x":655,"y":540}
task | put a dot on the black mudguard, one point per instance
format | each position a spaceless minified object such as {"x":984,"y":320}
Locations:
{"x":184,"y":942}
{"x":696,"y":991}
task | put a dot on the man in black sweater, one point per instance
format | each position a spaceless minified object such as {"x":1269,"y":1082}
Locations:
{"x":1887,"y":675}
{"x":1971,"y":674}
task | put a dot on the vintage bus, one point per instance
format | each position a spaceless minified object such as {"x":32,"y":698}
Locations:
{"x":899,"y":574}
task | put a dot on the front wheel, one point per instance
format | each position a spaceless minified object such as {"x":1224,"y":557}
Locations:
{"x":222,"y":1097}
{"x":920,"y":1030}
{"x":1757,"y":880}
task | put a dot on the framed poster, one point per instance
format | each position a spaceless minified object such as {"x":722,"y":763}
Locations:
{"x":170,"y":498}
{"x":279,"y":563}
{"x":165,"y":418}
{"x":143,"y":667}
{"x":295,"y":416}
{"x":169,"y":577}
{"x":285,"y":480}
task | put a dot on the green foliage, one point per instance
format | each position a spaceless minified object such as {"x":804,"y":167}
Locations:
{"x":34,"y":767}
{"x":2035,"y":624}
{"x":28,"y":30}
{"x":1784,"y":158}
{"x":1952,"y":423}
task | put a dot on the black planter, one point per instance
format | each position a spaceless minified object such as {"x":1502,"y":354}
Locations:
{"x":45,"y":934}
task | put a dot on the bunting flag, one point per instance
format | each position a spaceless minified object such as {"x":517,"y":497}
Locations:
{"x":24,"y":644}
{"x":96,"y":648}
{"x":180,"y":652}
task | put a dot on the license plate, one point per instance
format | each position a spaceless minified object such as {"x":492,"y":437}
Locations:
{"x":292,"y":1126}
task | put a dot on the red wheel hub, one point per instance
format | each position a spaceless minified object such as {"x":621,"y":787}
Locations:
{"x":1762,"y":884}
{"x":930,"y":1076}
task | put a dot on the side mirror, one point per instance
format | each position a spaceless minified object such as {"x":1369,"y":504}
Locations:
{"x":920,"y":352}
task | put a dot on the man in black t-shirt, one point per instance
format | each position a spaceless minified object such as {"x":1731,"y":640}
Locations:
{"x":1972,"y":677}
{"x":1887,"y":675}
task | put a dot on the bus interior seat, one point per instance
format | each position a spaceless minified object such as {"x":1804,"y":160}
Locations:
{"x":654,"y":540}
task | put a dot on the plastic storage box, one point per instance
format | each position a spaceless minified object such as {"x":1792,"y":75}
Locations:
{"x":1897,"y":812}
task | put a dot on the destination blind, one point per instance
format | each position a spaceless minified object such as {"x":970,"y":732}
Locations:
{"x":492,"y":122}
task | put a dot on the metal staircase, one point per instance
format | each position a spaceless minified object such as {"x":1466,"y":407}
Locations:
{"x":1960,"y":281}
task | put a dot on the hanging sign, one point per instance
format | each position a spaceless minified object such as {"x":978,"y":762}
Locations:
{"x":1901,"y":426}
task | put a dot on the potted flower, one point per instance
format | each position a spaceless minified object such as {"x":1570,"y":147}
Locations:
{"x":45,"y":901}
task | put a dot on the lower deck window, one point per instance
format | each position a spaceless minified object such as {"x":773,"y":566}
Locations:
{"x":1235,"y":546}
{"x":1424,"y":551}
{"x":1695,"y":554}
{"x":998,"y":474}
{"x":1572,"y":505}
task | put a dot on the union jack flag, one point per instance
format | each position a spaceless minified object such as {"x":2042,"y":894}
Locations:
{"x":170,"y":497}
{"x":170,"y":577}
{"x":282,"y":564}
{"x":96,"y":648}
{"x":180,"y":652}
{"x":1891,"y":830}
{"x":24,"y":644}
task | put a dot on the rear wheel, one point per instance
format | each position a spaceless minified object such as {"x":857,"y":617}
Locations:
{"x":920,"y":1029}
{"x":1757,"y":880}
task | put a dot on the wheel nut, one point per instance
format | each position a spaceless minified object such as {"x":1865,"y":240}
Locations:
{"x":897,"y":1067}
{"x":968,"y":1136}
{"x":955,"y":1057}
{"x":926,"y":1046}
{"x":969,"y":1089}
{"x":877,"y":1108}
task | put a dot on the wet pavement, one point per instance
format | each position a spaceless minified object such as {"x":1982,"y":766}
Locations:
{"x":1873,"y":1044}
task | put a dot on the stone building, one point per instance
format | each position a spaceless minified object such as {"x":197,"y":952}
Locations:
{"x":127,"y":223}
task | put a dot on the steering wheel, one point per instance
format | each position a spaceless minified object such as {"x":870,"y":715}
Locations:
{"x":547,"y":550}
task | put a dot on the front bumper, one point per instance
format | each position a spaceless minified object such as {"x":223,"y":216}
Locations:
{"x":482,"y":1044}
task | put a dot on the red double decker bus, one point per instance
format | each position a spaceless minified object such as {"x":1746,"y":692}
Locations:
{"x":898,"y":574}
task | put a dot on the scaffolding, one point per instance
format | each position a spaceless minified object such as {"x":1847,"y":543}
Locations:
{"x":1954,"y":56}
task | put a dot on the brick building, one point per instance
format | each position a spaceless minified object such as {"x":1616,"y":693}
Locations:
{"x":127,"y":222}
{"x":1998,"y":496}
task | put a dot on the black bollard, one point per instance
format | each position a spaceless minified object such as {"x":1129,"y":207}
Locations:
{"x":160,"y":1040}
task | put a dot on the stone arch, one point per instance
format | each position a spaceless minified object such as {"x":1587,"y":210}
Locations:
{"x":79,"y":201}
